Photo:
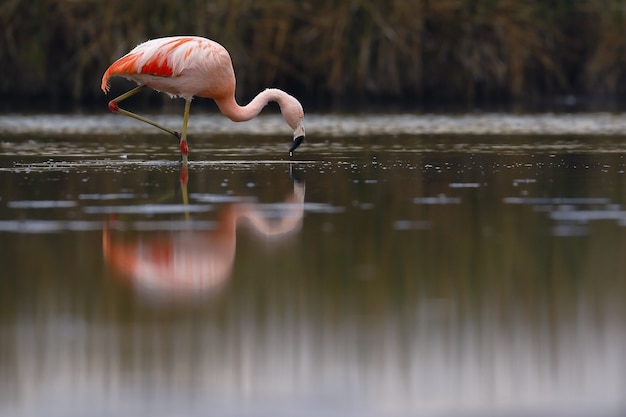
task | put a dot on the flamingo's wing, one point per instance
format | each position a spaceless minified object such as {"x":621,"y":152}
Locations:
{"x":181,"y":66}
{"x":164,"y":57}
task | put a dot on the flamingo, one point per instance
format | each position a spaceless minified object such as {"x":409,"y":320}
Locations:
{"x":192,"y":66}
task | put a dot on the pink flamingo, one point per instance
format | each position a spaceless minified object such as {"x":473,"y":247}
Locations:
{"x":191,"y":66}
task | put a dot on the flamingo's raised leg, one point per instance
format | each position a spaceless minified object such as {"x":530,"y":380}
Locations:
{"x":113,"y":106}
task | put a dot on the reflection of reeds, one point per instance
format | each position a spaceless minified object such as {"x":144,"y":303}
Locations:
{"x":329,"y":50}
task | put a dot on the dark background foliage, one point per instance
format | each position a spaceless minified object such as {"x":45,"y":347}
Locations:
{"x":331,"y":53}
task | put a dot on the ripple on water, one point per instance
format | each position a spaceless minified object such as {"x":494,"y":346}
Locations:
{"x":149,"y":209}
{"x":327,"y":125}
{"x":573,"y":215}
{"x":41,"y":204}
{"x":437,"y":200}
{"x":48,"y":226}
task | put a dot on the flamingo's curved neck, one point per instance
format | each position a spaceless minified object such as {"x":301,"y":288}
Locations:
{"x":229,"y":107}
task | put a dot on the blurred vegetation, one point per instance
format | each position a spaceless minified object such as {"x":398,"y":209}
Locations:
{"x":331,"y":52}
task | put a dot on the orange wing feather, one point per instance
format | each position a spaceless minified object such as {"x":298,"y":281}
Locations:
{"x":156,"y":64}
{"x":125,"y":65}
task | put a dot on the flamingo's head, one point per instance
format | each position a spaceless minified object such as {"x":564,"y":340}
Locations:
{"x":298,"y":137}
{"x":294,"y":116}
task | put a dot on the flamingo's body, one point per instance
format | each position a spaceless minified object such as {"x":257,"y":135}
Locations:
{"x":191,"y":66}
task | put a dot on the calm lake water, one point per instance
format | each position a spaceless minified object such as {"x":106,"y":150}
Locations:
{"x":396,"y":266}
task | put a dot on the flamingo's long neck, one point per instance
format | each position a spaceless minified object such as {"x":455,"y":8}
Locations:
{"x":229,"y":107}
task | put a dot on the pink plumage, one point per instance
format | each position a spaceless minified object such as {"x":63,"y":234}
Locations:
{"x":182,"y":66}
{"x":191,"y":66}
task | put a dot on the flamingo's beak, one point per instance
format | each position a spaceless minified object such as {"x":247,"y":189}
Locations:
{"x":296,"y":142}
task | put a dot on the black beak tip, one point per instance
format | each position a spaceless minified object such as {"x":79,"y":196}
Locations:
{"x":294,"y":145}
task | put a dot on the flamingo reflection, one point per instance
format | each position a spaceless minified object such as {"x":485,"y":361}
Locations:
{"x":189,"y":263}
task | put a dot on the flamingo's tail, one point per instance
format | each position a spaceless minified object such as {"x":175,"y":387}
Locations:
{"x":125,"y":65}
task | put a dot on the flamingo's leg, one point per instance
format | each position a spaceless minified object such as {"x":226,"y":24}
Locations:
{"x":184,"y":179}
{"x":184,"y":149}
{"x":113,"y":106}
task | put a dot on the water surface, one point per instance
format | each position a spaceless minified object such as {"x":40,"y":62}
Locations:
{"x":379,"y":272}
